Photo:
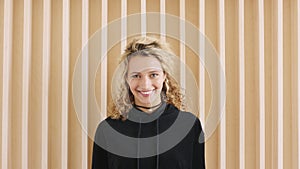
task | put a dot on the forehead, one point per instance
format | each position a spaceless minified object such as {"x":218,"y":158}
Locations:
{"x":142,"y":63}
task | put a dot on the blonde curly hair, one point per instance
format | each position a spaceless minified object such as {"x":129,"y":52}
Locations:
{"x":145,"y":47}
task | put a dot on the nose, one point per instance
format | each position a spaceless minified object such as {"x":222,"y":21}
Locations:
{"x":145,"y":82}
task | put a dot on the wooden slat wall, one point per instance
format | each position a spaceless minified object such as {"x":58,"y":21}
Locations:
{"x":258,"y":43}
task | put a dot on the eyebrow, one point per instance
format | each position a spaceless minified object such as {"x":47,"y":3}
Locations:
{"x":134,"y":73}
{"x":152,"y":71}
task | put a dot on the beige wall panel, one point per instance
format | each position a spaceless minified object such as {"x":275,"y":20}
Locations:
{"x":93,"y":118}
{"x":133,"y":8}
{"x":94,"y":16}
{"x":113,"y":61}
{"x":113,"y":55}
{"x":114,"y":10}
{"x":90,"y":150}
{"x":172,"y":8}
{"x":251,"y":86}
{"x":1,"y":65}
{"x":55,"y":86}
{"x":295,"y":85}
{"x":192,"y":11}
{"x":232,"y":83}
{"x":153,"y":6}
{"x":97,"y":86}
{"x":287,"y":85}
{"x":35,"y":95}
{"x":275,"y":88}
{"x":153,"y":25}
{"x":74,"y":140}
{"x":211,"y":32}
{"x":211,"y":22}
{"x":269,"y":57}
{"x":192,"y":60}
{"x":192,"y":64}
{"x":14,"y":158}
{"x":192,"y":85}
{"x":94,"y":28}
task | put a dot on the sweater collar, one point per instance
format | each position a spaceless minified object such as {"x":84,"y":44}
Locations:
{"x":139,"y":116}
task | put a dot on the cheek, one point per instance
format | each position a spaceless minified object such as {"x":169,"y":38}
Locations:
{"x":132,"y":85}
{"x":159,"y":83}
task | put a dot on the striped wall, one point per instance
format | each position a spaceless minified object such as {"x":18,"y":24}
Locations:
{"x":257,"y":41}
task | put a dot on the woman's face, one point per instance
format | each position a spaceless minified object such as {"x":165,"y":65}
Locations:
{"x":145,"y":78}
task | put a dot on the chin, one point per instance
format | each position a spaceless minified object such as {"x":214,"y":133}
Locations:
{"x":145,"y":101}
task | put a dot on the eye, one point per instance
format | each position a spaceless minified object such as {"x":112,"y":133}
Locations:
{"x":153,"y":75}
{"x":135,"y":76}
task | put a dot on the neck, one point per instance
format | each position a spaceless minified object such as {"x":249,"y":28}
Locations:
{"x":146,"y":108}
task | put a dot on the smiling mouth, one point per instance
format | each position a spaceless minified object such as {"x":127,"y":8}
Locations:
{"x":146,"y":93}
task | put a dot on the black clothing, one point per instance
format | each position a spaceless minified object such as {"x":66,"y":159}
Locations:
{"x":177,"y":141}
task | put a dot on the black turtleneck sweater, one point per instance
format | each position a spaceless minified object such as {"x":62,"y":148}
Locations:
{"x":165,"y":139}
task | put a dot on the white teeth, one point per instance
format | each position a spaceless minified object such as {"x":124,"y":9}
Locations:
{"x":146,"y":92}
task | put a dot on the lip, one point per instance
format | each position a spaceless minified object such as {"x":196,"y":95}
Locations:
{"x":146,"y":93}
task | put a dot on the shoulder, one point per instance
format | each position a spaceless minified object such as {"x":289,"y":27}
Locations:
{"x":188,"y":116}
{"x":104,"y":123}
{"x":171,"y":109}
{"x":185,"y":115}
{"x":108,"y":121}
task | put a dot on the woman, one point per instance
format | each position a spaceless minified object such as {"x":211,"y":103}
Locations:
{"x":146,"y":127}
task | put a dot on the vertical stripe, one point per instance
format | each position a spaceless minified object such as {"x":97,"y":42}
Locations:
{"x":65,"y":82}
{"x":202,"y":66}
{"x":298,"y":41}
{"x":45,"y":80}
{"x":280,"y":81}
{"x":222,"y":58}
{"x":7,"y":60}
{"x":242,"y":82}
{"x":85,"y":84}
{"x":123,"y":24}
{"x":143,"y":18}
{"x":261,"y":85}
{"x":182,"y":43}
{"x":26,"y":77}
{"x":104,"y":60}
{"x":163,"y":20}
